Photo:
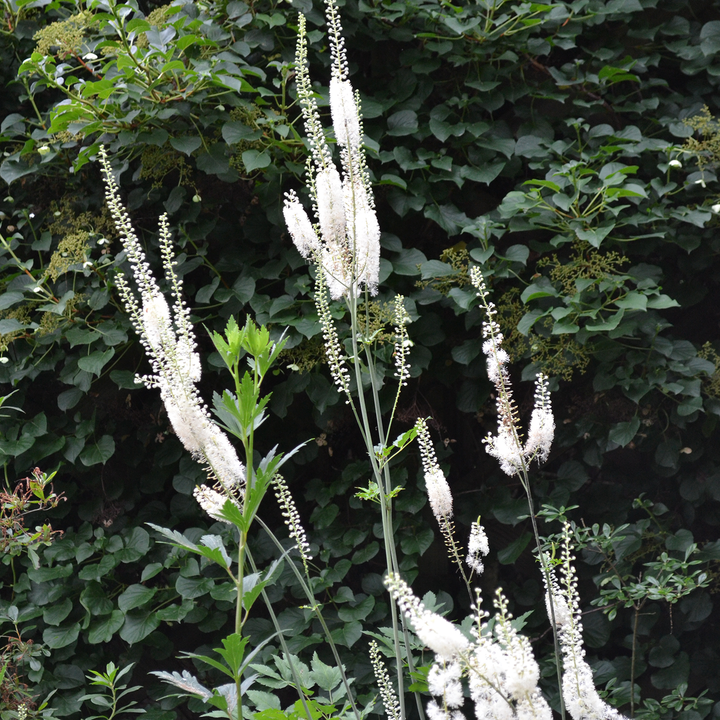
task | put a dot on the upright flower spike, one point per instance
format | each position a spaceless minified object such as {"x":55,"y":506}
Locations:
{"x":292,"y":518}
{"x":300,"y":227}
{"x":581,"y":697}
{"x":344,"y":113}
{"x":166,"y":334}
{"x":439,"y":496}
{"x":330,"y":207}
{"x":478,"y":547}
{"x":348,"y":250}
{"x":387,"y":691}
{"x":542,"y":423}
{"x":402,"y":340}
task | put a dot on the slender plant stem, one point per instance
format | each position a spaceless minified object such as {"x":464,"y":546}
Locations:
{"x":307,"y":588}
{"x":638,"y":608}
{"x":385,"y":499}
{"x":242,"y":545}
{"x":546,"y":573}
{"x":286,"y":649}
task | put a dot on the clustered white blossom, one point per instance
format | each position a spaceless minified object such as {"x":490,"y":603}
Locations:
{"x":439,"y":634}
{"x":345,"y":243}
{"x":500,"y":667}
{"x":478,"y":547}
{"x":507,"y":445}
{"x":542,"y":423}
{"x":581,"y":698}
{"x":444,"y":681}
{"x":169,"y":341}
{"x":502,"y":671}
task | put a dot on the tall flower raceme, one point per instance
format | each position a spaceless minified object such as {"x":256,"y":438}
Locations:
{"x":507,"y":446}
{"x":581,"y":698}
{"x":345,"y":242}
{"x":478,"y":547}
{"x":167,"y":336}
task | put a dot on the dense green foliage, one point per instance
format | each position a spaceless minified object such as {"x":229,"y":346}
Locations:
{"x":536,"y":140}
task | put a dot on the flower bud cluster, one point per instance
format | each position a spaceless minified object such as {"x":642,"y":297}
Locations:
{"x":403,"y":344}
{"x":292,"y":518}
{"x":438,"y":490}
{"x":387,"y":691}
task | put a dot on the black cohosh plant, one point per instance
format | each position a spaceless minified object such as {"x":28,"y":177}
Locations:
{"x":494,"y":661}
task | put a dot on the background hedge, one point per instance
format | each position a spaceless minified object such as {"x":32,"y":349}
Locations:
{"x":533,"y":139}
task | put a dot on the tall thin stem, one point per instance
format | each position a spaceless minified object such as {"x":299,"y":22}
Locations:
{"x":548,"y":585}
{"x":307,"y":589}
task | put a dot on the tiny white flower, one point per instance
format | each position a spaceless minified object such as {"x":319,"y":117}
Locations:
{"x":87,"y":264}
{"x":43,"y":150}
{"x":90,"y":56}
{"x":716,"y":208}
{"x":700,"y":182}
{"x":37,"y":289}
{"x":478,"y":546}
{"x":4,"y":360}
{"x":675,"y":164}
{"x":31,"y":215}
